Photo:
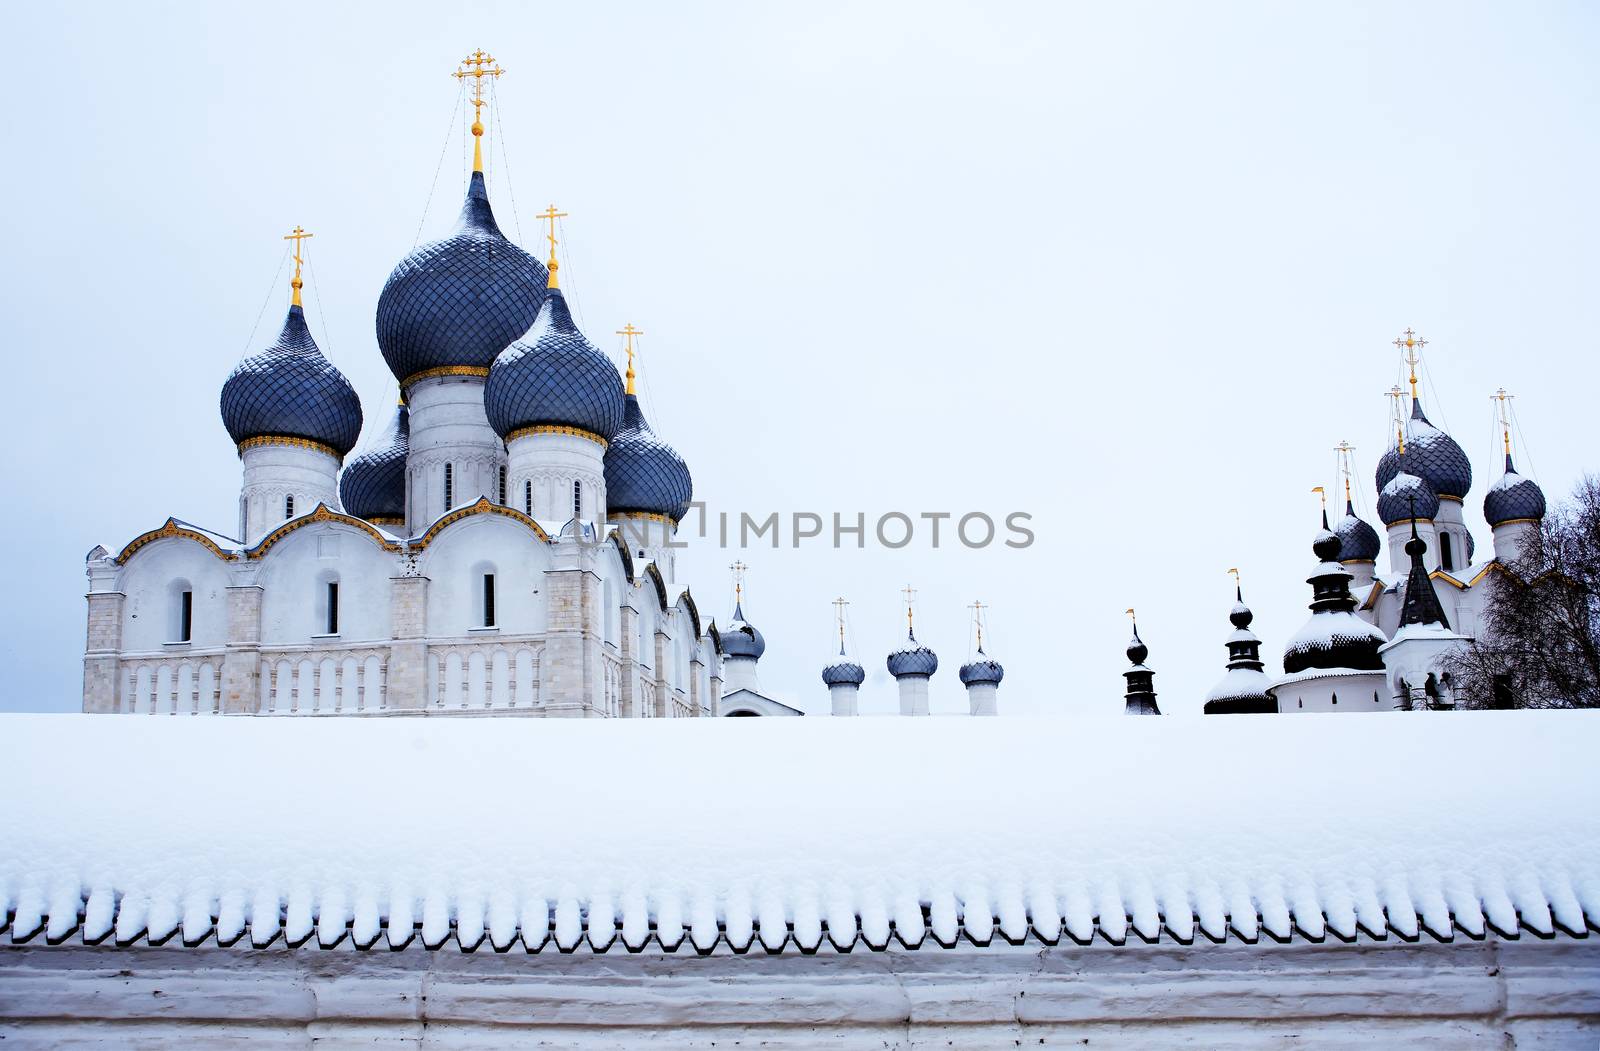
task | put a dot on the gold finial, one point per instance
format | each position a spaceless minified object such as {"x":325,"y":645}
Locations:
{"x":1394,"y":394}
{"x":1344,"y":449}
{"x":1411,"y":343}
{"x":838,"y":609}
{"x":738,"y":569}
{"x":295,"y":283}
{"x":628,"y":332}
{"x":911,"y":594}
{"x":481,"y":65}
{"x":550,"y":215}
{"x":1504,"y":412}
{"x":977,"y":609}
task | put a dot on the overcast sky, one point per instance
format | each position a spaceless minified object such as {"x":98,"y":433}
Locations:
{"x":1130,"y":269}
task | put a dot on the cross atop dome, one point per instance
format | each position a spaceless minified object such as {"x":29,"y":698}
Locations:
{"x":1410,"y":342}
{"x":298,"y":235}
{"x":977,"y":609}
{"x":550,"y":215}
{"x":1503,"y":411}
{"x":478,"y":65}
{"x":911,"y":598}
{"x":627,"y":332}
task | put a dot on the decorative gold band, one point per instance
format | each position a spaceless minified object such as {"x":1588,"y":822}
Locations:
{"x":645,"y":516}
{"x":386,"y":520}
{"x":444,"y":370}
{"x":283,"y":439}
{"x":1452,"y":499}
{"x":556,"y":428}
{"x":1514,"y":521}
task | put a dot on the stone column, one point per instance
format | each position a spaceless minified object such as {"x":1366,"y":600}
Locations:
{"x":630,"y":663}
{"x":716,"y":685}
{"x":572,"y":643}
{"x":696,"y":666}
{"x":241,"y":661}
{"x":101,"y":651}
{"x":406,"y":684}
{"x":663,"y":692}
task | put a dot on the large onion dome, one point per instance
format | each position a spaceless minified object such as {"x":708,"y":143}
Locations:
{"x":289,"y":390}
{"x":1334,"y":637}
{"x":740,"y":638}
{"x":456,"y":303}
{"x":644,"y":473}
{"x":553,"y":376}
{"x":1513,"y":498}
{"x":981,"y":669}
{"x":373,"y":485}
{"x":1431,"y":455}
{"x":1407,"y":496}
{"x":842,"y":671}
{"x":913,"y":659}
{"x":1243,"y":688}
{"x":1358,"y":541}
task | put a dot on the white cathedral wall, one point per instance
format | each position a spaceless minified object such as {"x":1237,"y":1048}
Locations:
{"x":550,"y":464}
{"x":455,"y":562}
{"x":274,"y":472}
{"x":151,"y":581}
{"x":448,"y":426}
{"x":294,"y":576}
{"x":1363,"y":692}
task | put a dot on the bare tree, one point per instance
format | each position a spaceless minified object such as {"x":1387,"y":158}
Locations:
{"x":1538,"y":643}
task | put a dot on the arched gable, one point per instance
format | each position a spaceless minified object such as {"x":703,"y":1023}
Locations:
{"x":687,"y":601}
{"x":172,"y":528}
{"x":321,"y":513}
{"x":482,"y":507}
{"x":654,"y":575}
{"x":615,"y":537}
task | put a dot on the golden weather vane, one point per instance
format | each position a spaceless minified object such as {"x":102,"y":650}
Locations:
{"x":911,"y":596}
{"x":1322,"y":494}
{"x":478,"y":65}
{"x":1410,"y":342}
{"x":977,"y":609}
{"x":298,"y":236}
{"x":550,"y":215}
{"x":627,"y":332}
{"x":838,"y":610}
{"x":1503,"y":410}
{"x":1238,"y":586}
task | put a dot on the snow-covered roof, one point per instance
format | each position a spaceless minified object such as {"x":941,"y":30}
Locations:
{"x":600,"y":834}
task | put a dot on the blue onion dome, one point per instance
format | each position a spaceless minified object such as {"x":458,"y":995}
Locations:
{"x":1358,"y":541}
{"x":740,"y":638}
{"x":982,"y":669}
{"x":456,"y":303}
{"x":553,"y":376}
{"x":843,"y":671}
{"x":644,"y":473}
{"x":373,"y":485}
{"x":1407,"y":496}
{"x":1513,"y":498}
{"x":289,"y":390}
{"x":1431,"y":455}
{"x":913,"y":659}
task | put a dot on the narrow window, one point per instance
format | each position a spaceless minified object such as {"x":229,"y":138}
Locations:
{"x":288,"y":506}
{"x":577,"y":498}
{"x":527,"y":498}
{"x":333,"y":607}
{"x":185,"y":616}
{"x":502,"y":500}
{"x":1335,"y":698}
{"x":1447,"y":560}
{"x":488,"y":600}
{"x":449,"y":486}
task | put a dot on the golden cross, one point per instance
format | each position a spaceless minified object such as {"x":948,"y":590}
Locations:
{"x":298,"y":236}
{"x":838,"y":608}
{"x":550,"y":215}
{"x":1394,"y":394}
{"x":977,"y":608}
{"x":1504,"y":412}
{"x":483,"y":65}
{"x":1410,"y":342}
{"x":1344,"y":449}
{"x":628,"y":332}
{"x":738,"y":569}
{"x":910,"y":593}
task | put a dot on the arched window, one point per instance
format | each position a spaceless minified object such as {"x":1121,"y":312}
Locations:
{"x":328,"y":604}
{"x":502,"y":500}
{"x":449,"y":486}
{"x":1447,"y":560}
{"x":527,"y":498}
{"x":288,"y":506}
{"x":181,"y":619}
{"x":577,"y":499}
{"x":488,"y":600}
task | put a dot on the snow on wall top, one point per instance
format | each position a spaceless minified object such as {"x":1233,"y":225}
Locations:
{"x":145,"y":828}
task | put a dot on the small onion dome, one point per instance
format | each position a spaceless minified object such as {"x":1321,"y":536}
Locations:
{"x":644,"y":473}
{"x":458,"y":302}
{"x":844,"y":672}
{"x":1431,"y":455}
{"x":290,"y":390}
{"x":1513,"y":497}
{"x":553,"y":375}
{"x":913,"y":659}
{"x":981,"y":670}
{"x":1137,"y":650}
{"x":740,"y":638}
{"x":1407,"y":496}
{"x":373,"y":485}
{"x":1243,"y":688}
{"x":1358,"y":541}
